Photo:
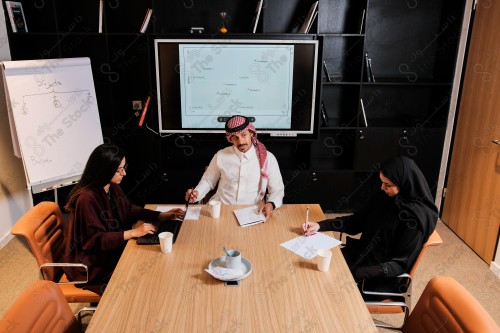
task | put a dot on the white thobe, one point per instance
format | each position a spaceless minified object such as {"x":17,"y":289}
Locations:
{"x":238,"y":176}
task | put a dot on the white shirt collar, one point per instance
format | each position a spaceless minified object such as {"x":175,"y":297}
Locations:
{"x":248,"y":155}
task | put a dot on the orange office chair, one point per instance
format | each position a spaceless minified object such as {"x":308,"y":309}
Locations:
{"x":399,"y":302}
{"x":43,"y":228}
{"x":446,"y":306}
{"x":42,"y":308}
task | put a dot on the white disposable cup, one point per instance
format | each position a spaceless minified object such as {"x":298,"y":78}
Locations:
{"x":215,"y":208}
{"x":324,"y":259}
{"x":166,"y":239}
{"x":233,"y":260}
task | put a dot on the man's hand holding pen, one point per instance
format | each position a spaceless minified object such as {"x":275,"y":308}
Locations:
{"x":192,"y":195}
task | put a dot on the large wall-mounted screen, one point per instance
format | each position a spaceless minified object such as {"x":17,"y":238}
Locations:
{"x":202,"y":82}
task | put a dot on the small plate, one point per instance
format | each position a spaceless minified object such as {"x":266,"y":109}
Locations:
{"x":246,"y":267}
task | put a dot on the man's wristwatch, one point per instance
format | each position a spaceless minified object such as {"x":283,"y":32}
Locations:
{"x":272,"y":204}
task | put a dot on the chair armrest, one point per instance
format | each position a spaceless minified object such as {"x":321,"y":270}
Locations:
{"x":388,"y":293}
{"x":52,"y":264}
{"x":401,"y":304}
{"x":378,"y":323}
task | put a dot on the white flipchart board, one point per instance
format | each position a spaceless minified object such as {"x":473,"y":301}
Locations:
{"x":53,"y":117}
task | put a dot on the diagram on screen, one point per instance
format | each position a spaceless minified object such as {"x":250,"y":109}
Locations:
{"x":220,"y":80}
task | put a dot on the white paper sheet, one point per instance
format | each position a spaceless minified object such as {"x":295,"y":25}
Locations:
{"x":307,"y":247}
{"x":193,"y":212}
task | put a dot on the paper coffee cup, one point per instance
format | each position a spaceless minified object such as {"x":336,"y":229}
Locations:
{"x":324,"y":259}
{"x":166,"y":239}
{"x":215,"y":208}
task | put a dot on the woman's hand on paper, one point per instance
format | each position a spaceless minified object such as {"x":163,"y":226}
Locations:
{"x":173,"y":214}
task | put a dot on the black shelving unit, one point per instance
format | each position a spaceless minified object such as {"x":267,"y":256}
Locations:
{"x":404,"y":109}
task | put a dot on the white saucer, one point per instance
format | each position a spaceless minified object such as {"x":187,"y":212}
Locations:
{"x":246,"y":267}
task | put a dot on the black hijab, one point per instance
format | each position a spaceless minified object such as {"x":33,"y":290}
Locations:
{"x":414,"y":199}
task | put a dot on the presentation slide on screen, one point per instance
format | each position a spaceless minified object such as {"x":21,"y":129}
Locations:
{"x":220,"y":80}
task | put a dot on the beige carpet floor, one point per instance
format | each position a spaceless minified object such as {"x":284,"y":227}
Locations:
{"x":453,"y":258}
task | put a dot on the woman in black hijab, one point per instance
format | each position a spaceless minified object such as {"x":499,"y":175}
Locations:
{"x":394,"y":225}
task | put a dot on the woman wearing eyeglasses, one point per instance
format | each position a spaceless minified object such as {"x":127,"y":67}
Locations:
{"x":101,"y":218}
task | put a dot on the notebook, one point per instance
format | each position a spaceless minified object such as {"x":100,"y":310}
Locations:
{"x":249,"y":216}
{"x":174,"y":226}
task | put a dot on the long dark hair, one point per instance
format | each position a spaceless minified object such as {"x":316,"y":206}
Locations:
{"x":99,"y":170}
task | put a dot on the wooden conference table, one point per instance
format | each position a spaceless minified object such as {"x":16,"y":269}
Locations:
{"x":155,"y":292}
